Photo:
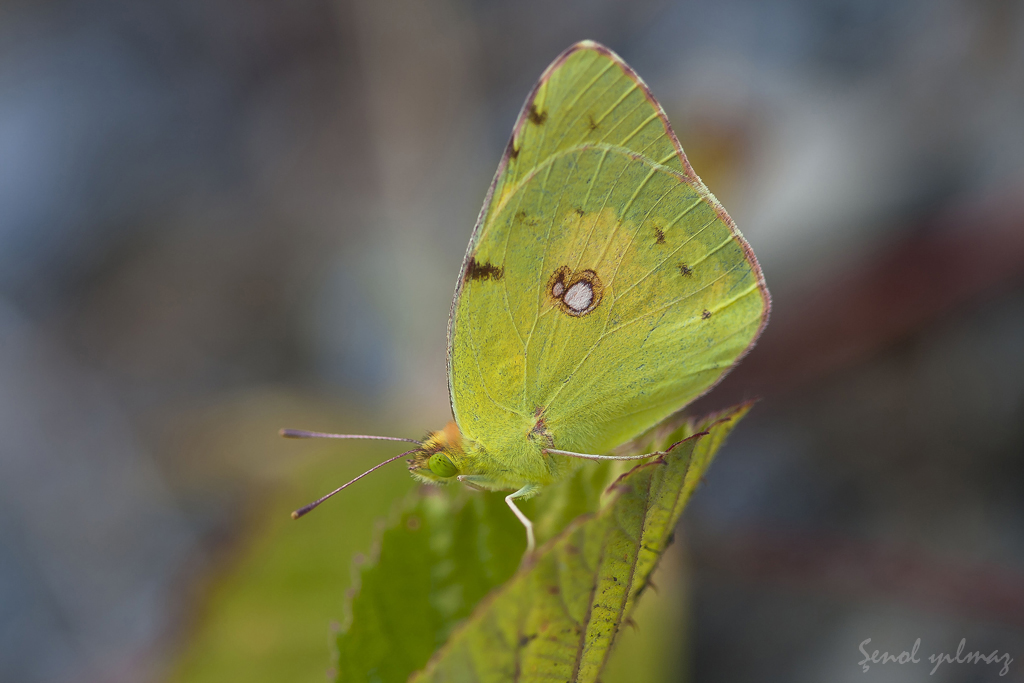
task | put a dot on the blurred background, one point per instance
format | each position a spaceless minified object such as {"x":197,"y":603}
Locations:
{"x":224,"y":217}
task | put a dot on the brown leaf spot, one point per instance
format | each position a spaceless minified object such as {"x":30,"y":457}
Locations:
{"x":483,"y":271}
{"x":537,"y":117}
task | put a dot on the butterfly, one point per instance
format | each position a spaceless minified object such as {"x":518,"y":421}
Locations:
{"x":603,"y":289}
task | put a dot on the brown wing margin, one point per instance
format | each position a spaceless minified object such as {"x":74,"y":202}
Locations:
{"x":689,"y":176}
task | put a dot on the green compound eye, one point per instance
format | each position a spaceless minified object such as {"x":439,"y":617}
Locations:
{"x":442,"y":466}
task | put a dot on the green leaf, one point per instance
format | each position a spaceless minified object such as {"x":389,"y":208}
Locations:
{"x":444,"y":549}
{"x":442,"y":552}
{"x":557,"y":618}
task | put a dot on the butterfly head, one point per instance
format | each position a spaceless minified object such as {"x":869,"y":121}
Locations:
{"x":438,"y":460}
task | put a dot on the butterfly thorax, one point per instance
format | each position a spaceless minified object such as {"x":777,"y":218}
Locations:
{"x":448,"y":456}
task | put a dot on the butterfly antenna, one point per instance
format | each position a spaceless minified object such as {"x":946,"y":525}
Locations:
{"x":303,"y":434}
{"x":309,"y":508}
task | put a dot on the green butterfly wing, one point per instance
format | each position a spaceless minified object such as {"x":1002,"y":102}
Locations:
{"x":604,"y":286}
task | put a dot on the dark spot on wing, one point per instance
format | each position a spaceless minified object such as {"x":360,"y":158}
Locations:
{"x":591,"y":123}
{"x":685,"y":270}
{"x":540,"y":428}
{"x":513,"y":151}
{"x":524,"y":218}
{"x":659,"y":235}
{"x":575,"y":293}
{"x":537,"y":117}
{"x":580,"y":212}
{"x":705,"y":315}
{"x":483,"y":271}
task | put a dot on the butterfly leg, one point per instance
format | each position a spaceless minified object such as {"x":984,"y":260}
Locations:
{"x":524,"y":492}
{"x":642,"y":456}
{"x":474,"y":482}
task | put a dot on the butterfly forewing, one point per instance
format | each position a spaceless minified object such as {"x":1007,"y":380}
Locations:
{"x":587,"y":95}
{"x":605,"y":288}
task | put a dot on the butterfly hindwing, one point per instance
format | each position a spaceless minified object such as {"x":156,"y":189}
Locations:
{"x":604,"y":287}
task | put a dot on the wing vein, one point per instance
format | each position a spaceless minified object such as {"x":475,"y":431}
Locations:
{"x":676,"y":250}
{"x":588,"y":86}
{"x":632,"y":88}
{"x":671,"y":224}
{"x":670,"y":157}
{"x":504,"y":281}
{"x":597,"y":378}
{"x":675,"y":301}
{"x":635,"y":320}
{"x":483,"y":382}
{"x":570,"y":124}
{"x":640,"y":128}
{"x":540,"y":288}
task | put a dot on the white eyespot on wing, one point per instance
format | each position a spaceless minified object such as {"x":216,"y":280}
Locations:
{"x":557,"y":290}
{"x":579,"y":297}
